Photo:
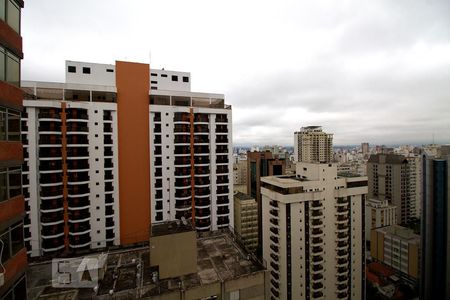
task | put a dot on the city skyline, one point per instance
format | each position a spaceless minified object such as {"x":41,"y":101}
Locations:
{"x":381,"y":65}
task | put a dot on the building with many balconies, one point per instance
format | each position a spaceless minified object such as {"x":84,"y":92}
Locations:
{"x":311,"y":144}
{"x":313,"y":233}
{"x":174,"y":162}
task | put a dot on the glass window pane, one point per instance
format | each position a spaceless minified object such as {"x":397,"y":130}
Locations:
{"x":3,"y":185}
{"x":12,"y":69}
{"x":2,"y":61}
{"x":2,"y":10}
{"x":3,"y":123}
{"x":17,"y":238}
{"x":15,"y":182}
{"x":4,"y":236}
{"x":13,"y":16}
{"x":13,"y":125}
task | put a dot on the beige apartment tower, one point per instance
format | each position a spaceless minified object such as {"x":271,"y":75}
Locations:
{"x":313,"y":233}
{"x":246,"y":220}
{"x":311,"y":144}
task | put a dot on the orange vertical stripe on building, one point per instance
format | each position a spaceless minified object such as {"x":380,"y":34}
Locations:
{"x":133,"y":85}
{"x":64,"y":167}
{"x":191,"y":121}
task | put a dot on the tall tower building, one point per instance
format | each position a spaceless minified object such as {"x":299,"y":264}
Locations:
{"x":312,"y":145}
{"x":393,"y":177}
{"x":260,"y":164}
{"x":313,"y":233}
{"x":117,"y":147}
{"x":13,"y":259}
{"x":435,"y":227}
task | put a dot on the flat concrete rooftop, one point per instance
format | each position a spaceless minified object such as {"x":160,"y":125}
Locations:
{"x":219,"y":258}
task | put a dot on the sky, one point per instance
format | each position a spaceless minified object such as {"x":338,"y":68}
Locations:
{"x":367,"y":71}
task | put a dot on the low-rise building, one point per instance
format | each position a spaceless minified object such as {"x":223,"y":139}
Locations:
{"x":397,"y":247}
{"x":379,"y":213}
{"x":246,"y":220}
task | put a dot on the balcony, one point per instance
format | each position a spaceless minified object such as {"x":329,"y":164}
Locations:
{"x":110,"y":234}
{"x":183,"y":193}
{"x":183,"y":204}
{"x":202,"y":202}
{"x":317,"y":294}
{"x":317,"y":250}
{"x":343,"y":295}
{"x":182,"y":171}
{"x":342,"y":218}
{"x":49,"y":113}
{"x":52,"y":218}
{"x":274,"y":230}
{"x":78,"y":202}
{"x":77,"y":128}
{"x":157,"y":139}
{"x":182,"y":150}
{"x":50,"y":153}
{"x":201,"y":160}
{"x":203,"y":224}
{"x":180,"y":117}
{"x":182,"y":139}
{"x":180,"y":214}
{"x":79,"y":241}
{"x":78,"y":216}
{"x":223,"y":179}
{"x":221,"y":139}
{"x":317,"y":277}
{"x":275,"y":275}
{"x":52,"y":205}
{"x":274,"y":266}
{"x":108,"y":163}
{"x":275,"y":284}
{"x":182,"y":160}
{"x":107,"y":140}
{"x":316,"y":213}
{"x":49,"y":139}
{"x":201,"y":150}
{"x":201,"y":129}
{"x":109,"y":210}
{"x":78,"y":164}
{"x":107,"y":127}
{"x":77,"y":140}
{"x":274,"y":248}
{"x":222,"y":170}
{"x":202,"y":170}
{"x":222,"y":221}
{"x":274,"y":212}
{"x":317,"y":268}
{"x":222,"y":159}
{"x":317,"y":286}
{"x":201,"y":139}
{"x":317,"y":259}
{"x":202,"y":192}
{"x":49,"y":126}
{"x":221,"y":118}
{"x":221,"y":129}
{"x":222,"y":200}
{"x":51,"y":179}
{"x":52,"y":244}
{"x":342,"y":253}
{"x":316,"y":231}
{"x":80,"y":189}
{"x":53,"y":231}
{"x":51,"y":192}
{"x":222,"y":149}
{"x":342,"y":270}
{"x":342,"y":261}
{"x":275,"y":292}
{"x":79,"y":228}
{"x":274,"y":221}
{"x":77,"y":152}
{"x":221,"y":211}
{"x":201,"y":118}
{"x":202,"y":181}
{"x":222,"y":190}
{"x":76,"y":114}
{"x":109,"y":222}
{"x":78,"y":177}
{"x":342,"y":278}
{"x":183,"y":182}
{"x":108,"y":152}
{"x":201,"y":213}
{"x":182,"y":128}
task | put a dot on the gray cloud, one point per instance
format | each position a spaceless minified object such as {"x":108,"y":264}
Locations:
{"x":373,"y":71}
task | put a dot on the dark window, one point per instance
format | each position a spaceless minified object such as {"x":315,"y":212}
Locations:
{"x":86,"y":70}
{"x":185,"y":79}
{"x":163,"y":75}
{"x":154,"y":88}
{"x":154,"y":74}
{"x":174,"y":78}
{"x":110,"y":70}
{"x":154,"y":82}
{"x":72,"y":69}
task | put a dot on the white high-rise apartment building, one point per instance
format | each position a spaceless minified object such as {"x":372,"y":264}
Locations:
{"x":379,"y":213}
{"x":313,"y":233}
{"x":313,"y":228}
{"x":312,"y":145}
{"x":71,"y":172}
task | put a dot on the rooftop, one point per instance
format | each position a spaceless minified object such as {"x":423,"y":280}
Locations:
{"x":403,"y":233}
{"x":171,"y":227}
{"x":241,"y":196}
{"x":219,"y":259}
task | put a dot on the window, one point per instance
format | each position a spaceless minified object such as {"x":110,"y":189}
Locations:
{"x":185,"y":79}
{"x":11,"y":68}
{"x":2,"y":61}
{"x":154,"y":74}
{"x":10,"y":13}
{"x":163,"y":75}
{"x":12,"y":239}
{"x":86,"y":70}
{"x":153,"y":88}
{"x":110,"y":70}
{"x":71,"y":69}
{"x":174,"y":78}
{"x":154,"y":82}
{"x":9,"y":124}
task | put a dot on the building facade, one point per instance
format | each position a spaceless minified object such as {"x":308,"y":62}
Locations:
{"x":392,"y":177}
{"x":435,"y":227}
{"x":313,"y":233}
{"x":175,"y":156}
{"x":379,"y":214}
{"x":397,"y":247}
{"x":260,"y":164}
{"x":13,"y":259}
{"x":246,"y":220}
{"x":311,"y":144}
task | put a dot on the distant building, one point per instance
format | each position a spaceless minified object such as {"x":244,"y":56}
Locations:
{"x":313,"y":233}
{"x":435,"y":227}
{"x":240,"y":172}
{"x":397,"y":247}
{"x":260,"y":164}
{"x":311,"y":144}
{"x":365,"y":148}
{"x":392,"y":177}
{"x":379,"y":213}
{"x":246,"y":220}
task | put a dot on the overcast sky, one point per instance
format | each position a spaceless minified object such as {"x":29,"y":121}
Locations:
{"x":374,"y":71}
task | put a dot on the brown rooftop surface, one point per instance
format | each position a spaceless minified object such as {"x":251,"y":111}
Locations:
{"x":241,"y":196}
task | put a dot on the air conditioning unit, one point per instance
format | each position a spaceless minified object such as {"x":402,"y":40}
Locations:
{"x":2,"y":279}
